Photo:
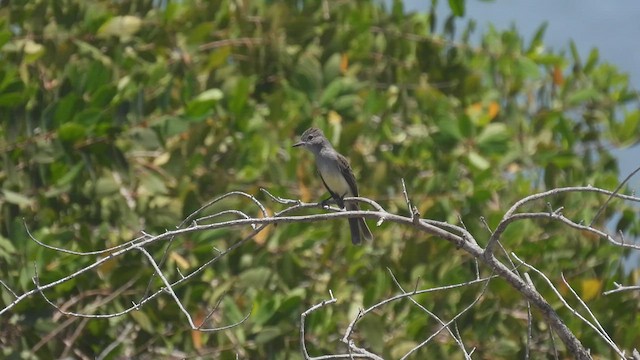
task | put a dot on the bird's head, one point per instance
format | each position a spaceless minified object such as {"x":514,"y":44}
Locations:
{"x":312,"y":139}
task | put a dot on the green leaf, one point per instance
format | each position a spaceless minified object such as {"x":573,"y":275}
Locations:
{"x":264,"y":310}
{"x":212,"y":95}
{"x":528,"y":68}
{"x":96,"y":76}
{"x":231,"y":311}
{"x":401,"y":348}
{"x":71,"y":132}
{"x":331,"y":68}
{"x":153,"y":184}
{"x":627,"y":131}
{"x":334,"y":89}
{"x":147,"y":138}
{"x":168,"y":126}
{"x":478,"y":161}
{"x":536,"y":41}
{"x":88,"y":49}
{"x":293,"y":300}
{"x":6,"y":248}
{"x":203,"y":104}
{"x":123,"y":27}
{"x":16,"y":198}
{"x":307,"y":75}
{"x":106,"y":185}
{"x":88,"y":117}
{"x":449,"y":126}
{"x":242,"y":90}
{"x":70,"y":175}
{"x":592,"y":61}
{"x":346,"y":103}
{"x":12,"y":99}
{"x":143,"y":320}
{"x":219,"y":57}
{"x":574,"y":52}
{"x":256,"y":277}
{"x":565,"y":160}
{"x":457,"y":7}
{"x":103,"y":96}
{"x":5,"y":36}
{"x":582,"y":95}
{"x":67,"y":108}
{"x":494,"y":137}
{"x":268,"y":333}
{"x":32,"y":50}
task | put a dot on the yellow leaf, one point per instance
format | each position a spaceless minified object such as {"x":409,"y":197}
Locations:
{"x":179,"y":259}
{"x":196,"y":336}
{"x":162,"y":159}
{"x":591,"y":288}
{"x":334,"y":118}
{"x":143,"y":320}
{"x":107,"y":267}
{"x":474,"y":110}
{"x":344,"y":63}
{"x":483,"y":113}
{"x":494,"y":109}
{"x":305,"y":193}
{"x":263,"y":235}
{"x":558,"y":78}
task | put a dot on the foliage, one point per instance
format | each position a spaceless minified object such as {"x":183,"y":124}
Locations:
{"x":126,"y":116}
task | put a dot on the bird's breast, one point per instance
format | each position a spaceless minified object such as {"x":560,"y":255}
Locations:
{"x":332,"y":176}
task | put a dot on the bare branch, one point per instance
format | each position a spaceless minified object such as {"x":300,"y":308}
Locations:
{"x":601,"y":330}
{"x":8,"y":289}
{"x":480,"y":294}
{"x":124,"y":334}
{"x":406,"y":196}
{"x":363,"y":312}
{"x":304,"y":315}
{"x":360,"y":353}
{"x":615,"y":192}
{"x":457,"y":235}
{"x":280,"y":200}
{"x":573,"y":311}
{"x":620,"y":288}
{"x":456,"y":337}
{"x":510,"y":213}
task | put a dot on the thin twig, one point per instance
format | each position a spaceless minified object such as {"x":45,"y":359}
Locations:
{"x":124,"y":334}
{"x":601,"y":330}
{"x":620,"y":288}
{"x":572,"y":310}
{"x":615,"y":192}
{"x":457,"y":338}
{"x":506,"y":219}
{"x":472,"y":304}
{"x":363,"y":312}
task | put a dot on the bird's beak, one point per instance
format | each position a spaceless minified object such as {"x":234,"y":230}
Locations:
{"x":298,"y":144}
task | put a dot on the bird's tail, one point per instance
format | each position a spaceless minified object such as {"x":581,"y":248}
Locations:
{"x":358,"y":227}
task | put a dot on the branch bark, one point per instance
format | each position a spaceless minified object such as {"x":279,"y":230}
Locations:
{"x":459,"y":236}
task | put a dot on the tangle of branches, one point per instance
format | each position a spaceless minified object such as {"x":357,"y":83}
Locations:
{"x":507,"y":266}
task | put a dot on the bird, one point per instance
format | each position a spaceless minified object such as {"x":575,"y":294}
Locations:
{"x":337,"y":177}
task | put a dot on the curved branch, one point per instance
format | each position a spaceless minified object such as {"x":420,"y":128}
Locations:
{"x":506,"y":218}
{"x":456,"y":235}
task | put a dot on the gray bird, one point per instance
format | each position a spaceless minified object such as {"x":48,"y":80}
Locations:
{"x":337,"y":177}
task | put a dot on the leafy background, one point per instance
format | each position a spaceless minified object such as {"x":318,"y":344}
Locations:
{"x":125,"y":116}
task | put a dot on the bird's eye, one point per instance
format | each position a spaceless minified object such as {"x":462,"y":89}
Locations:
{"x":310,"y":137}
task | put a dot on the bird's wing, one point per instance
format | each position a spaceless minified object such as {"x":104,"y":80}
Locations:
{"x":335,"y":196}
{"x":348,"y":174}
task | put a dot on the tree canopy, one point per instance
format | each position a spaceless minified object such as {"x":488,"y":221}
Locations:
{"x":122,"y":117}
